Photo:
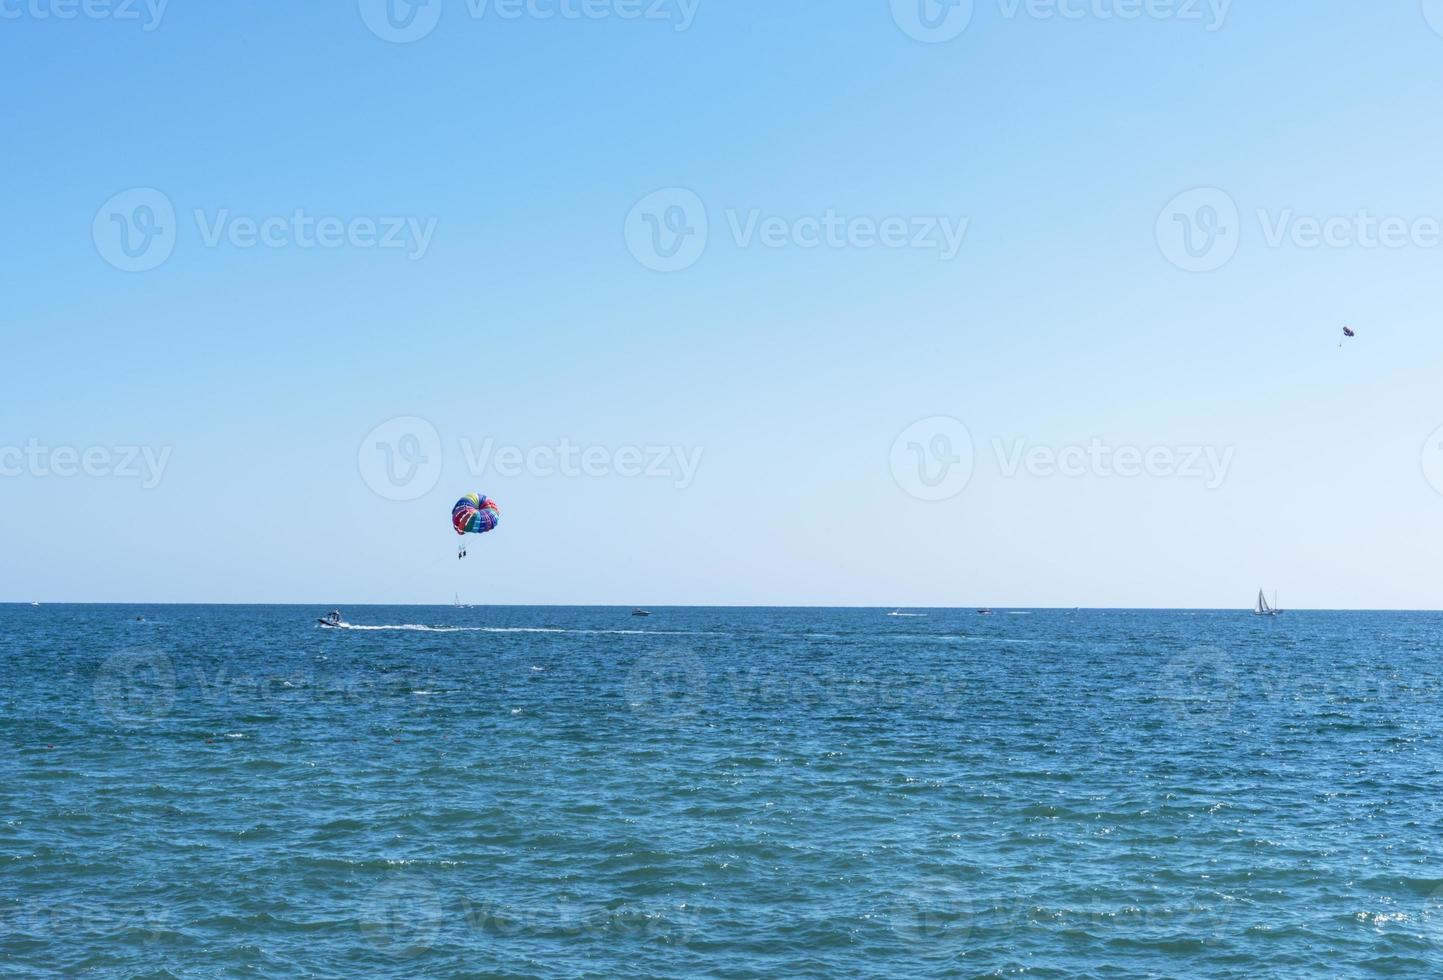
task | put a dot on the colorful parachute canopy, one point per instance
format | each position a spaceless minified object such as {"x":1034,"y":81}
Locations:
{"x":475,"y":513}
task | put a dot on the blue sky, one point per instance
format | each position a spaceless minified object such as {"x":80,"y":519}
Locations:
{"x":1064,"y":330}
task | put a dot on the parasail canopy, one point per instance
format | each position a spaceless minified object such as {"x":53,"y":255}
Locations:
{"x":475,"y":513}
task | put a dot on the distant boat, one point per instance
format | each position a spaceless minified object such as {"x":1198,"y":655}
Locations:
{"x":899,"y":612}
{"x":640,"y":612}
{"x":333,"y":620}
{"x":35,"y":603}
{"x":1263,"y":609}
{"x":984,"y":612}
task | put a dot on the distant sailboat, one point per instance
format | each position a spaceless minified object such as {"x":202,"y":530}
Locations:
{"x":1262,"y":608}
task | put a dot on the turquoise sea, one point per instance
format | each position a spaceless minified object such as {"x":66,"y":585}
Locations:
{"x":230,"y":791}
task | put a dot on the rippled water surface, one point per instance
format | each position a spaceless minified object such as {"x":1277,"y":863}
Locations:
{"x":231,"y":791}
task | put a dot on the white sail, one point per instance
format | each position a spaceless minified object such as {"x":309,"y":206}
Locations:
{"x":1262,"y":608}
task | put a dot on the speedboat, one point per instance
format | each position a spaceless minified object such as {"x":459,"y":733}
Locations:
{"x":984,"y":612}
{"x":640,"y":612}
{"x":332,"y":620}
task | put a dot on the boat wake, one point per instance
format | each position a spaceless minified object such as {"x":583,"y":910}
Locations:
{"x":423,"y":628}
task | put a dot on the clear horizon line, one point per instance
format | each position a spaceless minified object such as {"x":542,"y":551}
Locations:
{"x":706,"y":605}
